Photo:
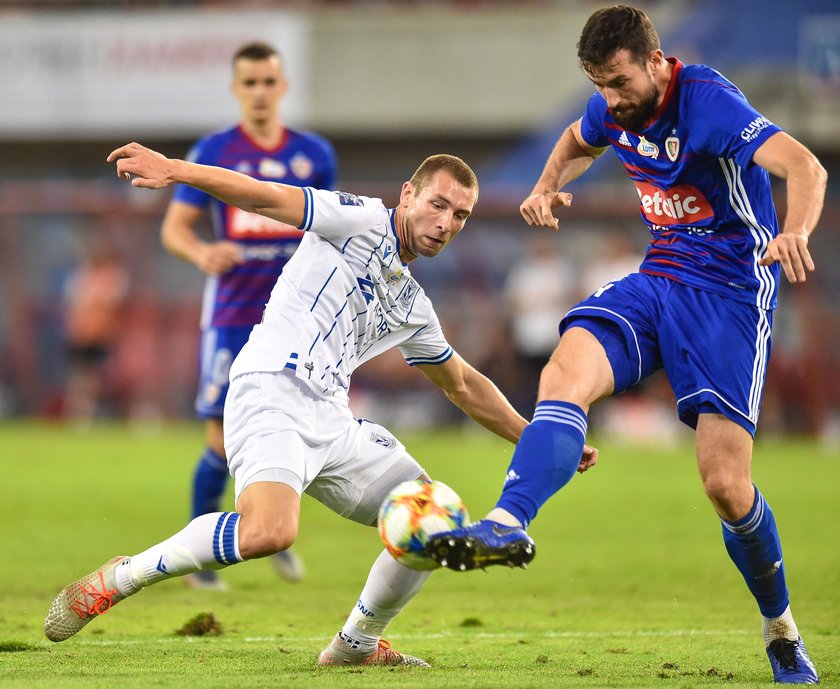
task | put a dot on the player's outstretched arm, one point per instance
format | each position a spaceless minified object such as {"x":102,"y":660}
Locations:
{"x":152,"y":170}
{"x":569,"y":159}
{"x":477,"y":396}
{"x":783,"y":156}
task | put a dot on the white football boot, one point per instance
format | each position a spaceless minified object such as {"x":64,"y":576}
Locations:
{"x":81,"y":601}
{"x":339,"y":652}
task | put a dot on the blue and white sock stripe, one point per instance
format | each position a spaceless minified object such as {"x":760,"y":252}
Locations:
{"x":224,"y":539}
{"x":563,"y":413}
{"x":751,"y":522}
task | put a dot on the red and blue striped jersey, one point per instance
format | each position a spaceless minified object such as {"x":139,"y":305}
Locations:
{"x":238,"y":297}
{"x":708,"y":206}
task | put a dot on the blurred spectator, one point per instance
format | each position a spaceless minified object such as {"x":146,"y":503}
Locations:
{"x":615,"y":257}
{"x":540,"y":288}
{"x":94,"y":300}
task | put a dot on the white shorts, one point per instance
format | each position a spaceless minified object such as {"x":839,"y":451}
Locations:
{"x":277,"y":429}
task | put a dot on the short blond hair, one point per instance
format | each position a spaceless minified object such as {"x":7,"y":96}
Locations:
{"x":460,"y":171}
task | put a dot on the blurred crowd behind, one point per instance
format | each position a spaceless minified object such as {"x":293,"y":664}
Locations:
{"x":98,"y":322}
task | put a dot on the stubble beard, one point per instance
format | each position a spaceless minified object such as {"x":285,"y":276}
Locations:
{"x":635,"y":118}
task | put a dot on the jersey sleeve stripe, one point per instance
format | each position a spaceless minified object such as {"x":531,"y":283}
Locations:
{"x":440,"y":359}
{"x":306,"y":225}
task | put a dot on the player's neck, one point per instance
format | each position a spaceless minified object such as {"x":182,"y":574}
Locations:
{"x":399,"y":227}
{"x":265,"y":134}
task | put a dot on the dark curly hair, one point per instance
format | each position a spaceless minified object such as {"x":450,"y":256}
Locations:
{"x":610,"y":29}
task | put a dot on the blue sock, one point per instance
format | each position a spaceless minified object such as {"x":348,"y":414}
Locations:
{"x":209,"y":482}
{"x":546,"y":457}
{"x":753,"y":544}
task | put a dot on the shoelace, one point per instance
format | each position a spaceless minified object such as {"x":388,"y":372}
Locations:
{"x":100,"y":600}
{"x":384,"y":649}
{"x":784,"y":651}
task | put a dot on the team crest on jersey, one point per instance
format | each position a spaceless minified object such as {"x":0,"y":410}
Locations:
{"x":346,"y":199}
{"x":384,"y":440}
{"x":272,"y":169}
{"x":394,"y":277}
{"x":301,"y":166}
{"x":647,"y":148}
{"x":672,"y":148}
{"x":408,"y":293}
{"x":244,"y":167}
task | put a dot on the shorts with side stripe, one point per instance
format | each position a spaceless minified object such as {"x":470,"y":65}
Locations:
{"x":277,"y":429}
{"x":714,"y":350}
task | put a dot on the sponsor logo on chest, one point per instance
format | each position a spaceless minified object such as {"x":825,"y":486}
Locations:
{"x":684,"y":204}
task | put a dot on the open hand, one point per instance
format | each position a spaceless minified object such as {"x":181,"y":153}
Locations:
{"x":537,"y":209}
{"x":588,"y":459}
{"x":791,"y":250}
{"x":143,"y":166}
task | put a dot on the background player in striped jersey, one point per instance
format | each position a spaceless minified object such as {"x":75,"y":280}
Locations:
{"x":246,"y":255}
{"x":346,"y":296}
{"x":701,"y":306}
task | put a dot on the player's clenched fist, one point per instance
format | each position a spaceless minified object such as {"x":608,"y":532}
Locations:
{"x":143,"y":166}
{"x":537,"y":209}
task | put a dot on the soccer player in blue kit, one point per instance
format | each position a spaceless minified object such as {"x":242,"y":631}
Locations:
{"x":247,"y":255}
{"x":701,"y":305}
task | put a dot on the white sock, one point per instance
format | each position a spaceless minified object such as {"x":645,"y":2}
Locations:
{"x":781,"y":627}
{"x":389,"y":587}
{"x":502,"y":516}
{"x":210,"y":541}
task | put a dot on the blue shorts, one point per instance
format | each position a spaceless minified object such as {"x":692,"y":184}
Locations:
{"x":714,"y":350}
{"x":219,"y":347}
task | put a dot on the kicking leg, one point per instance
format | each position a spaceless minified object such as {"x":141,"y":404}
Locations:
{"x":546,"y":458}
{"x":724,"y":453}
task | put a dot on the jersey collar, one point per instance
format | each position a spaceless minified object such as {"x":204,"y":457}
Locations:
{"x":669,"y":92}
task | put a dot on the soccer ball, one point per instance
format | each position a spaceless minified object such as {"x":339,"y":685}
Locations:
{"x":414,"y":511}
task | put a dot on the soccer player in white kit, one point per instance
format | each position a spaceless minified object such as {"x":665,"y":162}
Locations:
{"x":346,"y":296}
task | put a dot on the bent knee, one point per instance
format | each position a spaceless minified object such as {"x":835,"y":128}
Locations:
{"x":566,"y":380}
{"x":261,"y":539}
{"x":732,"y":498}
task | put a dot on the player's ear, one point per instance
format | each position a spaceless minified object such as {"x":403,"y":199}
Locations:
{"x":656,"y":60}
{"x":406,"y":193}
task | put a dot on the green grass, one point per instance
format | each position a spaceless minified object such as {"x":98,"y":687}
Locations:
{"x":631,"y":586}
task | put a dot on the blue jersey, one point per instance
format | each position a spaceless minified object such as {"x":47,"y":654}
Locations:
{"x":237,"y":298}
{"x":708,"y":206}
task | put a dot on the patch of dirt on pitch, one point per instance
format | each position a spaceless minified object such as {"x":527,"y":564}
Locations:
{"x":203,"y":624}
{"x":471,"y":622}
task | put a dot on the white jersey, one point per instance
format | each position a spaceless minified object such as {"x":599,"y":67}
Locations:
{"x":343,"y":298}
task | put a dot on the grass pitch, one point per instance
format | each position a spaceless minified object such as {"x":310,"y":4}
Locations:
{"x":631,"y":586}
